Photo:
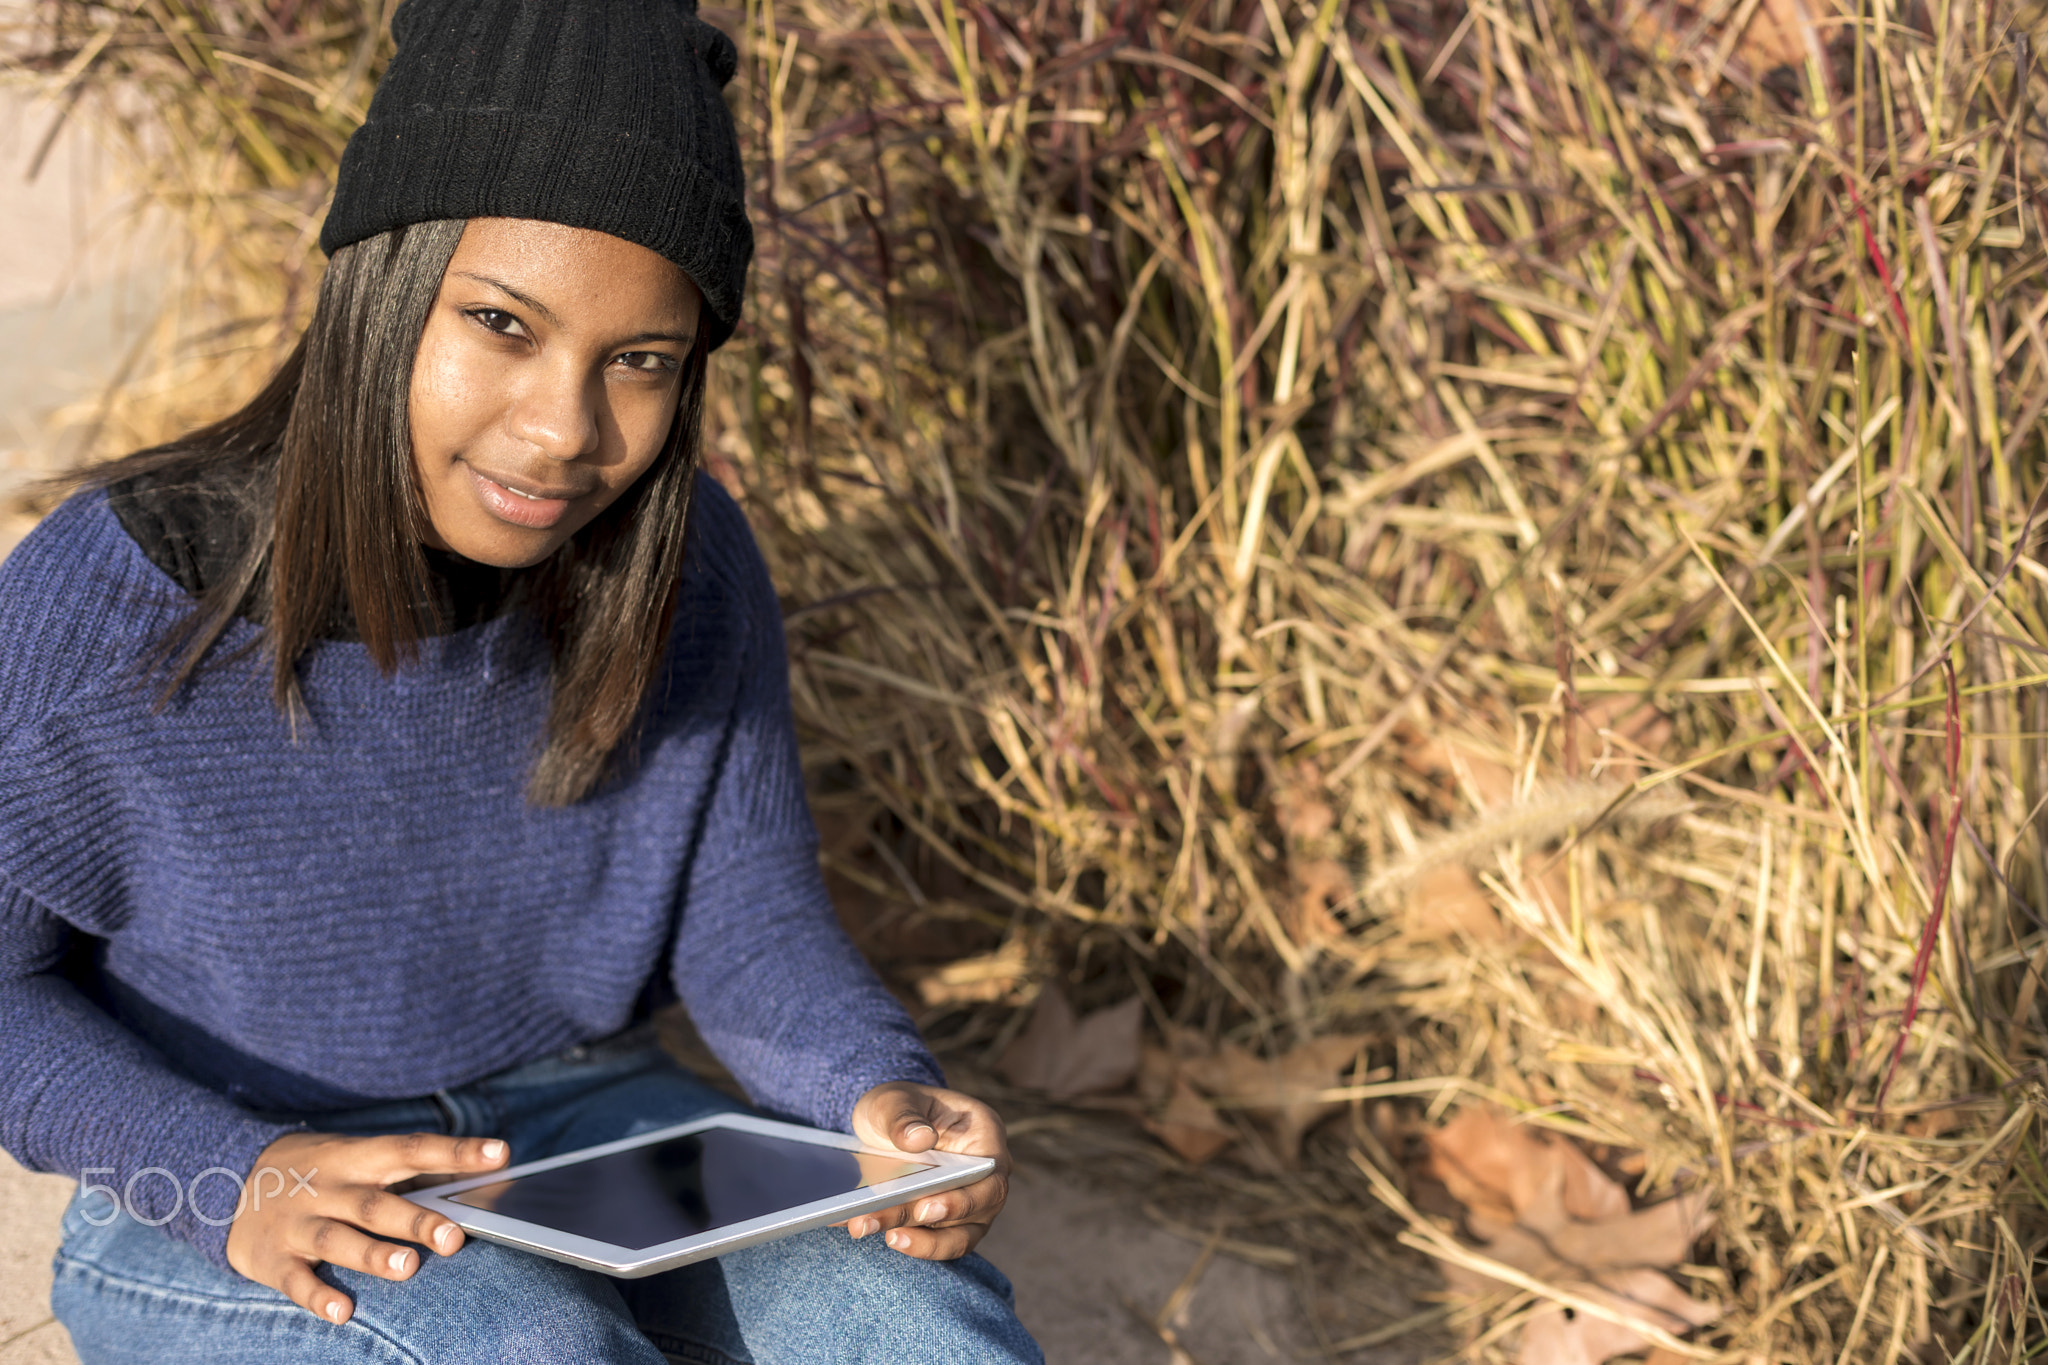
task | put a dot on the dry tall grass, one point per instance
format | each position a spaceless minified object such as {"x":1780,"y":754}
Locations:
{"x":1208,"y":446}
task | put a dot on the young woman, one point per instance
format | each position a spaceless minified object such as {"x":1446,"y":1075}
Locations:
{"x":378,"y":759}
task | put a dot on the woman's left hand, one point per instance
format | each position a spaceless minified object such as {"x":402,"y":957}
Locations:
{"x":917,"y":1118}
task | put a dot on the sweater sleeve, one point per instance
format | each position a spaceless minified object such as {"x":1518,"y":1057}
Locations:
{"x":79,"y":1094}
{"x":773,"y":983}
{"x":84,"y":1097}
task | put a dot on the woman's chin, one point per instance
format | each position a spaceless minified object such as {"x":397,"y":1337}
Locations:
{"x":501,"y":546}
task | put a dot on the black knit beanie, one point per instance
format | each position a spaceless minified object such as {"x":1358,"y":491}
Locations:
{"x":601,"y":114}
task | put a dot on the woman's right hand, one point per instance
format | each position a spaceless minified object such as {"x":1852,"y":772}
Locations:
{"x":334,"y":1206}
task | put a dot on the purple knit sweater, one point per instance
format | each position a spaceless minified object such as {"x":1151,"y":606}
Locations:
{"x":202,"y":915}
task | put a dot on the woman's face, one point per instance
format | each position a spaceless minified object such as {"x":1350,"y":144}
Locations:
{"x":547,"y":379}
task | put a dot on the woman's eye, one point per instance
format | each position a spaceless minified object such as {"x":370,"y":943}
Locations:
{"x":648,"y":362}
{"x":496,"y":320}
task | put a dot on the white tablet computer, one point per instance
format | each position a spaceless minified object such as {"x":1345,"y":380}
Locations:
{"x":663,"y":1199}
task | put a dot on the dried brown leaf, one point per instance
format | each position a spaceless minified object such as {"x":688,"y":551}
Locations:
{"x":1770,"y":39}
{"x":1538,"y":1203}
{"x":1319,"y":885}
{"x":1608,"y":729}
{"x":1066,"y":1056}
{"x":1447,"y":901}
{"x":1557,"y":1335}
{"x":1774,"y":36}
{"x":1280,"y":1093}
{"x":1158,"y":1071}
{"x":1189,"y":1126}
{"x":1485,"y":1159}
{"x":1470,"y":764}
{"x":1303,"y":813}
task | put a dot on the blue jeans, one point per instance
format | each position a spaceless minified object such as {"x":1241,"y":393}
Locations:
{"x":129,"y":1293}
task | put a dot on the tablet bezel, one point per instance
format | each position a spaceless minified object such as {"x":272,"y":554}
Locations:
{"x":948,"y":1171}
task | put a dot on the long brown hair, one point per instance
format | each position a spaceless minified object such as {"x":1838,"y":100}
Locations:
{"x":320,"y":470}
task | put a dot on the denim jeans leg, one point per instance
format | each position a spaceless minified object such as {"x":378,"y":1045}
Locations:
{"x":129,"y":1294}
{"x":816,"y":1297}
{"x":822,"y":1296}
{"x":548,"y":1109}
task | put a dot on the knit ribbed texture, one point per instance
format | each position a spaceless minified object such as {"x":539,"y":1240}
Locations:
{"x":600,"y":114}
{"x":200,"y":916}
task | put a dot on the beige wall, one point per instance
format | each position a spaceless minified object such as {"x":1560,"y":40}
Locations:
{"x":76,"y":286}
{"x":42,"y":224}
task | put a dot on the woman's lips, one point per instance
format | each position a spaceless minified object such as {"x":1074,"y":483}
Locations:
{"x":507,"y":504}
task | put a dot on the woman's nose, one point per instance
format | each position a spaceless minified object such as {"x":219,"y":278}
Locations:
{"x":557,"y":415}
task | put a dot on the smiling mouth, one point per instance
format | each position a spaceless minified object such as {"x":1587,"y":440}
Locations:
{"x":534,"y":511}
{"x":533,"y":497}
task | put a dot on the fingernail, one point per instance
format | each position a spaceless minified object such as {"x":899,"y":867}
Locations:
{"x":445,"y":1236}
{"x":399,"y":1258}
{"x":493,"y":1150}
{"x":899,"y":1239}
{"x":334,"y":1311}
{"x":930,"y":1211}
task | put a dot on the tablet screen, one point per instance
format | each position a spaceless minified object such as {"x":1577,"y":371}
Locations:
{"x":664,"y":1191}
